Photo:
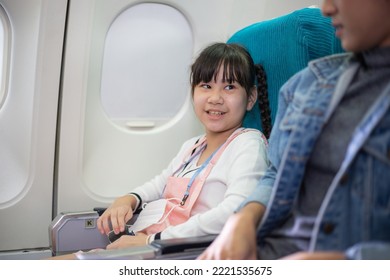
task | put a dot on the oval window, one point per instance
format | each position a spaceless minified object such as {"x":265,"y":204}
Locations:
{"x":145,"y":73}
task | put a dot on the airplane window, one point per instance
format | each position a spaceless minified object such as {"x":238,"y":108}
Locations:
{"x":4,"y":40}
{"x":145,"y":77}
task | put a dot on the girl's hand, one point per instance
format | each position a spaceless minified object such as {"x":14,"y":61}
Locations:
{"x":117,"y":215}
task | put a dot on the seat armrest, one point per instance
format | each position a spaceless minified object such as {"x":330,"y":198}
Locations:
{"x":179,"y":245}
{"x":73,"y":231}
{"x":178,"y":248}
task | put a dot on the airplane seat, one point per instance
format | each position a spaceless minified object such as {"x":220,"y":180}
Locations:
{"x":73,"y":231}
{"x":283,"y":46}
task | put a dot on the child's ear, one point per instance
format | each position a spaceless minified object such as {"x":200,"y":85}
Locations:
{"x":252,"y":98}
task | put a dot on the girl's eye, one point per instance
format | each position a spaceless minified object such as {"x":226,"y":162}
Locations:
{"x":230,"y":87}
{"x":205,"y":86}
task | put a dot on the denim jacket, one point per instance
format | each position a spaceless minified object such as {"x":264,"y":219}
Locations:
{"x":355,"y":215}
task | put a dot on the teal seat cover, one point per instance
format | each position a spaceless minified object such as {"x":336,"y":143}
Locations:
{"x":284,"y":46}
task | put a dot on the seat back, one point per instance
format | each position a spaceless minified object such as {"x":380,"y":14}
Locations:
{"x":283,"y":46}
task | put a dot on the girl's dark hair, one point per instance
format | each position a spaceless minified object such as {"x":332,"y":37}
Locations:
{"x":238,"y":66}
{"x":263,"y":100}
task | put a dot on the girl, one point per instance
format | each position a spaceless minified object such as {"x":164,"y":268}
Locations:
{"x":212,"y":174}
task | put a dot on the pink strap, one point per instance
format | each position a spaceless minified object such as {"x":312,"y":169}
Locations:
{"x":195,"y":194}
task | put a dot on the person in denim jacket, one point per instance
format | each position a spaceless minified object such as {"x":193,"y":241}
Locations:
{"x":327,"y":192}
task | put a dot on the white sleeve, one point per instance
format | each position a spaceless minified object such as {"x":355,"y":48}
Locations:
{"x":240,"y":167}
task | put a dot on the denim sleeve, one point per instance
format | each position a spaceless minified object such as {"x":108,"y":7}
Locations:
{"x":369,"y":251}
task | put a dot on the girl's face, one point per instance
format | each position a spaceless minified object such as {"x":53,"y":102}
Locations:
{"x":221,"y":106}
{"x":360,"y":24}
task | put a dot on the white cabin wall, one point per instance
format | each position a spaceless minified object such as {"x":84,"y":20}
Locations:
{"x":28,"y":119}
